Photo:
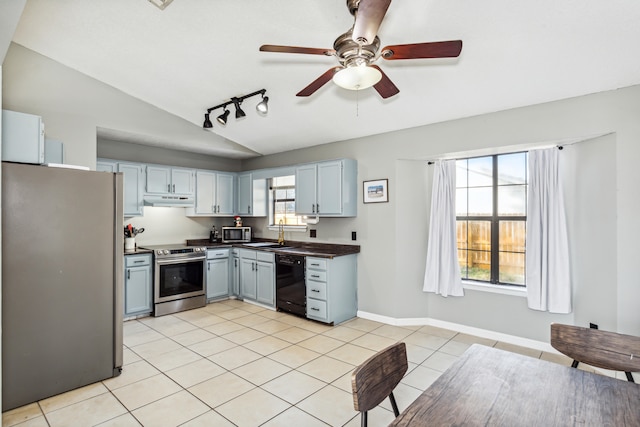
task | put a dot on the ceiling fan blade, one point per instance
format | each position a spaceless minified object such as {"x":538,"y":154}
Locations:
{"x":319,"y":82}
{"x":296,"y":49}
{"x":385,"y":86}
{"x":448,"y":49}
{"x":368,"y":19}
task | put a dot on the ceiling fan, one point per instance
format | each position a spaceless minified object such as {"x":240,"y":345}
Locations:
{"x":359,"y":48}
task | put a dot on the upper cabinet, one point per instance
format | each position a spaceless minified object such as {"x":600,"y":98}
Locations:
{"x":168,"y":180}
{"x":252,"y":195}
{"x":133,"y":177}
{"x":327,"y":188}
{"x":214,"y":194}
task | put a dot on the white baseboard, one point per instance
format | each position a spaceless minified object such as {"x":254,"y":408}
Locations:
{"x":483,"y":333}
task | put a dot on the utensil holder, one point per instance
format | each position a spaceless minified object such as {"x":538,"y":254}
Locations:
{"x":129,"y":243}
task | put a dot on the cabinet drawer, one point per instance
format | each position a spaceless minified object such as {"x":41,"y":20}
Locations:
{"x":318,"y":276}
{"x":316,"y":290}
{"x":266,"y":256}
{"x":316,"y":264}
{"x":316,"y":309}
{"x":137,"y":260}
{"x":218,"y":253}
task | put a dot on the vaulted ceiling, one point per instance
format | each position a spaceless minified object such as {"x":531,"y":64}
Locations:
{"x":195,"y":54}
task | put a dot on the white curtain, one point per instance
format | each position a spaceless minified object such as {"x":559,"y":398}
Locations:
{"x":547,"y":247}
{"x":442,"y":274}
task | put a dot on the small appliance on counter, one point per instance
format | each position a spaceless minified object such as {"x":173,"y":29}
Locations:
{"x":236,"y":234}
{"x":213,"y":234}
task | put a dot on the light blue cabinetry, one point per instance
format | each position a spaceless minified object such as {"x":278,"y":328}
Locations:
{"x":138,"y":285}
{"x":133,"y":178}
{"x":235,"y":272}
{"x":257,"y":276}
{"x":217,"y":273}
{"x":168,"y":180}
{"x":214,"y":194}
{"x":251,"y":195}
{"x":331,"y":288}
{"x":327,"y":188}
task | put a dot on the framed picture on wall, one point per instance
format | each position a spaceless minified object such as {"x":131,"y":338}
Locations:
{"x":376,"y":191}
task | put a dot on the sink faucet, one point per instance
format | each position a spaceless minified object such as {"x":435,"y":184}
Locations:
{"x":280,"y":233}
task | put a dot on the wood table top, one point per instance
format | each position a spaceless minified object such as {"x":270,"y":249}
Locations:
{"x":491,"y":387}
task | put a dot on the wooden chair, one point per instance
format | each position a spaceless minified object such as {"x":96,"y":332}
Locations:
{"x":602,"y":349}
{"x":377,"y":377}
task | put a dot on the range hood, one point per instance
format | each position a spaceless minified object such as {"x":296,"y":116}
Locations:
{"x":169,"y":201}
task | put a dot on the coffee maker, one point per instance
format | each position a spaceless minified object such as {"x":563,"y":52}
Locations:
{"x":213,"y":234}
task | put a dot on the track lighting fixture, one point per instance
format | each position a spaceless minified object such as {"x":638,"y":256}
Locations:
{"x":222,"y":118}
{"x":261,"y":108}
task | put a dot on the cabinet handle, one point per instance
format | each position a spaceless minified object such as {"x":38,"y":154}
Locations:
{"x":168,"y":188}
{"x":174,"y":188}
{"x":315,"y":264}
{"x":208,"y":266}
{"x":313,"y":208}
{"x":235,"y":263}
{"x":217,"y":208}
{"x":315,"y":290}
{"x":128,"y":273}
{"x":315,"y":309}
{"x":315,"y":275}
{"x":249,"y":209}
{"x":138,"y":261}
{"x":318,"y":208}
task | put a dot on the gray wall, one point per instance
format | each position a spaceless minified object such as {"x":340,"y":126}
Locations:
{"x":603,"y":199}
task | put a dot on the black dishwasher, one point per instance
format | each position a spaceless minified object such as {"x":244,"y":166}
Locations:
{"x":291,"y":291}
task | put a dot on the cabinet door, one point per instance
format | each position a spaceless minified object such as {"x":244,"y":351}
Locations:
{"x":137,"y":290}
{"x":205,"y":192}
{"x":132,"y":188}
{"x":329,"y":199}
{"x":224,"y":194}
{"x":244,"y":194}
{"x":106,"y":167}
{"x":182,"y":181}
{"x":248,"y":278}
{"x":158,"y":180}
{"x":217,"y":278}
{"x":306,"y":190}
{"x":266,"y":282}
{"x":235,"y":279}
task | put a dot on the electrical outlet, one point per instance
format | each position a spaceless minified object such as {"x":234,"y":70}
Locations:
{"x":353,"y":235}
{"x":312,"y":232}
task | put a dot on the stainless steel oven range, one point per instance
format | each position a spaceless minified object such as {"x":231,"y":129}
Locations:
{"x":178,"y":278}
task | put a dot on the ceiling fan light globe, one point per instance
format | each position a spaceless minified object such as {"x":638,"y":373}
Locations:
{"x":356,"y":78}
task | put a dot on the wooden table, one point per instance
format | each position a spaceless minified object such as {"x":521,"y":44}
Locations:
{"x":491,"y":387}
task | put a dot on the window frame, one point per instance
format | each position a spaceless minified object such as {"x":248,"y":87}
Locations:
{"x":495,"y":219}
{"x":271,"y":211}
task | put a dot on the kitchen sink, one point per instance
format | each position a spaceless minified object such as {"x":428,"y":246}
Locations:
{"x":262,"y":245}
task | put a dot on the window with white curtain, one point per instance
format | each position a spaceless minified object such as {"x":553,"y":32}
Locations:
{"x":491,"y":218}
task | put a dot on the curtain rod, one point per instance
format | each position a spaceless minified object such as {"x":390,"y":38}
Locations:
{"x":560,"y":147}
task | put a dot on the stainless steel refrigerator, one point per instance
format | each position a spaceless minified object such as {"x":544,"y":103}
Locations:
{"x":62,"y":280}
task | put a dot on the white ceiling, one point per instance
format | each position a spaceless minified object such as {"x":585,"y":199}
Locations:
{"x":199,"y":53}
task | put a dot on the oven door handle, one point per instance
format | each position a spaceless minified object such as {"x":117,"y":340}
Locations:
{"x":166,"y":261}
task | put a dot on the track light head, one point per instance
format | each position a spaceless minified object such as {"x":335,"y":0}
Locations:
{"x":207,"y":122}
{"x":239,"y":112}
{"x":263,"y":106}
{"x":222,"y":118}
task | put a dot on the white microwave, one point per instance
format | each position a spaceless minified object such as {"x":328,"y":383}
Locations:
{"x":236,"y":234}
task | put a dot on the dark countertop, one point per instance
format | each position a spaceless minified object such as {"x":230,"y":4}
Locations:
{"x":138,"y":251}
{"x":320,"y":250}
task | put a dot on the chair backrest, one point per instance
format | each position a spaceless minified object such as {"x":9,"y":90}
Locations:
{"x":602,"y":349}
{"x":374,"y":380}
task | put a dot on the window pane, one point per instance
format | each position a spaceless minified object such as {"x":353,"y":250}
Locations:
{"x":461,"y":173}
{"x":479,"y":265}
{"x":461,"y":202}
{"x":480,"y":201}
{"x":281,"y":194}
{"x":475,"y":264}
{"x":480,"y":171}
{"x":461,"y":233}
{"x":462,"y":261}
{"x":512,"y":168}
{"x":512,"y":236}
{"x":512,"y":269}
{"x":512,"y":200}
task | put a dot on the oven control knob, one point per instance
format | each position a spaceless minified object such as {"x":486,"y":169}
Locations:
{"x":166,"y":252}
{"x":196,"y":249}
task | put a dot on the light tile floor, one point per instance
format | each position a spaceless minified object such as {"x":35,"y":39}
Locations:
{"x":236,"y":364}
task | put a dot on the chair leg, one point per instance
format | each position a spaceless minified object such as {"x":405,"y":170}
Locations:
{"x":363,"y":419}
{"x":394,"y":405}
{"x":629,"y":377}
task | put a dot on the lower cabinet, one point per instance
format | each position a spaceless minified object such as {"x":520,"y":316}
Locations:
{"x":217,"y":273}
{"x":331,"y":288}
{"x":235,"y":272}
{"x":138,"y":284}
{"x":257,"y":276}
